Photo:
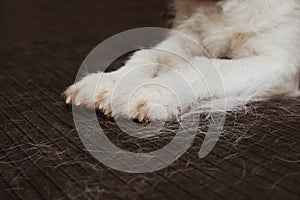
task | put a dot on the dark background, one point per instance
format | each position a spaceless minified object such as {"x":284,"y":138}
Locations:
{"x":42,"y":44}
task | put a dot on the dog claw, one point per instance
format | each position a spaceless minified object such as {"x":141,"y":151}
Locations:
{"x":141,"y":118}
{"x":106,"y":112}
{"x":69,"y":99}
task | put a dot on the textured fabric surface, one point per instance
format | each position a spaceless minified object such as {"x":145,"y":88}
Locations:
{"x":42,"y":44}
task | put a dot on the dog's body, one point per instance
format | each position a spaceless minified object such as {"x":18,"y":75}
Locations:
{"x":261,"y":38}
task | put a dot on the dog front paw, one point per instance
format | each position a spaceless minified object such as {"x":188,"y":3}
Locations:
{"x":152,"y":103}
{"x":93,"y":92}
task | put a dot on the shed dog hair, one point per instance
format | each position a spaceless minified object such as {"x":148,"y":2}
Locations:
{"x":259,"y":38}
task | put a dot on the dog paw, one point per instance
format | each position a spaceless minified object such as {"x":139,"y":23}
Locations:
{"x":152,"y":103}
{"x":93,"y":92}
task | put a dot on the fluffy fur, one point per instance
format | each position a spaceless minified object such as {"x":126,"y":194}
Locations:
{"x":259,"y":38}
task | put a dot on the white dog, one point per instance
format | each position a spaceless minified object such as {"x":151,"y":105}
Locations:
{"x":259,"y":38}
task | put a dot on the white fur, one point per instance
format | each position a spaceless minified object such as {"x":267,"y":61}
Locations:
{"x":262,"y":38}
